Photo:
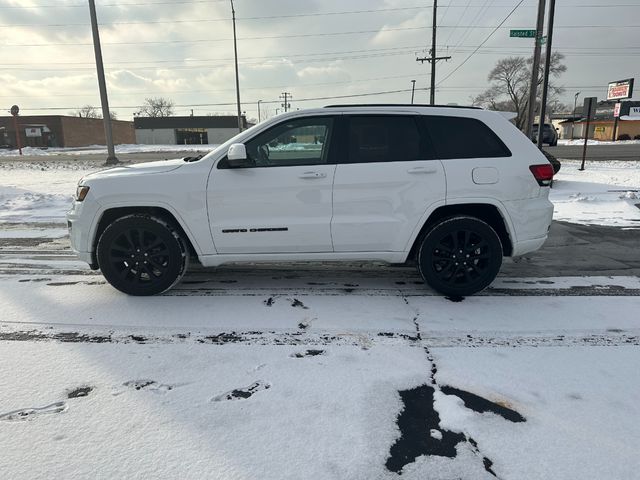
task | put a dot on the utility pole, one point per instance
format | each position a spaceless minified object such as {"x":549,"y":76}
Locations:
{"x":547,"y":63}
{"x":573,"y":119}
{"x":102,"y":85}
{"x":535,"y":70}
{"x":413,"y":90}
{"x":433,"y":59}
{"x":259,"y":119}
{"x":235,"y":54}
{"x":286,"y":96}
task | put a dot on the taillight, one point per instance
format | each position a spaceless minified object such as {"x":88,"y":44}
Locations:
{"x":542,"y":173}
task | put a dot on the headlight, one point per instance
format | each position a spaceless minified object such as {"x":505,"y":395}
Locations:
{"x":81,"y":192}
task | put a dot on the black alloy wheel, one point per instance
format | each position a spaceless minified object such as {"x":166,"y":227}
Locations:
{"x":142,"y":255}
{"x":460,"y":256}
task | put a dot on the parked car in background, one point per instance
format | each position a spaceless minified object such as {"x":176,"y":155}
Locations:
{"x":549,"y":135}
{"x":555,"y":163}
{"x":451,"y":189}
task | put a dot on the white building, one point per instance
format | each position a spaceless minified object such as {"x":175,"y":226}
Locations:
{"x":186,"y":130}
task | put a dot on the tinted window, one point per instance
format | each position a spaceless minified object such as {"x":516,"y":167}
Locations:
{"x":383,"y":139}
{"x":296,"y":142}
{"x":460,"y":137}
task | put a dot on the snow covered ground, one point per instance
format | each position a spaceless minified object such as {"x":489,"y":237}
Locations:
{"x":580,"y":141}
{"x":271,"y":381}
{"x":329,"y":373}
{"x":605,"y":193}
{"x":102,"y":150}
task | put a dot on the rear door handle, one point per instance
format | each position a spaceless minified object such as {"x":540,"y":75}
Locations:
{"x":312,"y":175}
{"x":425,"y":170}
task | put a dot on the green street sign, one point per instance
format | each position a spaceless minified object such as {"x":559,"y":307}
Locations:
{"x":522,"y":33}
{"x":543,"y":40}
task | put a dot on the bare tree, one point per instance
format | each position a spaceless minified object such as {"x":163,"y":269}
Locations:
{"x":157,"y":107}
{"x":88,"y":111}
{"x":509,"y":90}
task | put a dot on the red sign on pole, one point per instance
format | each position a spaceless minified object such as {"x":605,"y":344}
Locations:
{"x":14,"y":111}
{"x":616,"y":110}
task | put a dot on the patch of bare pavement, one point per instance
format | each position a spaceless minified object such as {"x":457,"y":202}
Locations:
{"x":617,"y":152}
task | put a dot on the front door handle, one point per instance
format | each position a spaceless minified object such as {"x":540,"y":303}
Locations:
{"x":312,"y":175}
{"x":425,"y":170}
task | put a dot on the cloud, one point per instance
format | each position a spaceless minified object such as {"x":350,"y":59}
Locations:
{"x":390,"y":34}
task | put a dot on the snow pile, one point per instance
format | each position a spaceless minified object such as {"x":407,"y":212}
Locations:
{"x":34,"y":193}
{"x":580,"y":142}
{"x":102,"y":149}
{"x":17,"y":206}
{"x":605,"y":193}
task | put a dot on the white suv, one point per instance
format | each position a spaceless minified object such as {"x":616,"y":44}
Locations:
{"x":454,"y":189}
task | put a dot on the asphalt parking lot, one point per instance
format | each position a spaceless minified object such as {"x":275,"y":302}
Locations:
{"x":621,"y":152}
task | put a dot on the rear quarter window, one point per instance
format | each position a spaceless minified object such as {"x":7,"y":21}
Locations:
{"x":461,"y":137}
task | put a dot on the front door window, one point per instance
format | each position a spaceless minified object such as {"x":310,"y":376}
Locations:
{"x":293,"y":143}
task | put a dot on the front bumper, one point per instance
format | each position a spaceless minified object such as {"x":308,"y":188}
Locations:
{"x":80,"y":220}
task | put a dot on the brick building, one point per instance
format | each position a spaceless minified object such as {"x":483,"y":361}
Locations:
{"x":62,"y":131}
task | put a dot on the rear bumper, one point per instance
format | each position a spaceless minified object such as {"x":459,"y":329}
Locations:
{"x":527,"y":246}
{"x":531,"y":220}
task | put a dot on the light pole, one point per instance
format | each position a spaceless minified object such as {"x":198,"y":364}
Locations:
{"x":235,"y":52}
{"x":573,"y":120}
{"x":413,"y":90}
{"x":545,"y":78}
{"x":102,"y":85}
{"x":259,"y":110}
{"x":535,"y":72}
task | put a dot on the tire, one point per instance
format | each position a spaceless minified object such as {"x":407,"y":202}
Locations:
{"x":438,"y":258}
{"x":147,"y":242}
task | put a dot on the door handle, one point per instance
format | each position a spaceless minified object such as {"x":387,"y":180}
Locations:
{"x":312,"y":175}
{"x":425,"y":170}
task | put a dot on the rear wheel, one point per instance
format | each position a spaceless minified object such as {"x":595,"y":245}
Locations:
{"x":460,"y":256}
{"x":142,"y":255}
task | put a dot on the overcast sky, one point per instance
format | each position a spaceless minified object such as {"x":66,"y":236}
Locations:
{"x":183,"y":50}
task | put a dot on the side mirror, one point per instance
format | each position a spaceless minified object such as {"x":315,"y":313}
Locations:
{"x":237,"y":156}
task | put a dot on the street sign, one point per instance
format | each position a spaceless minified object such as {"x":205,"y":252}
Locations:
{"x":588,"y":111}
{"x":543,"y":40}
{"x":589,"y":107}
{"x":620,"y":90}
{"x":522,"y":33}
{"x":616,"y":110}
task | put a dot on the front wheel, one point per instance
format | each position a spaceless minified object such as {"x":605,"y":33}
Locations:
{"x":460,"y":256}
{"x":142,"y":255}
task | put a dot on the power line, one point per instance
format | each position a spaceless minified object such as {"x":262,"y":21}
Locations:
{"x":505,"y":50}
{"x":482,"y":43}
{"x":186,"y":2}
{"x":308,"y":35}
{"x":115,"y":67}
{"x":199,"y":20}
{"x":357,"y":95}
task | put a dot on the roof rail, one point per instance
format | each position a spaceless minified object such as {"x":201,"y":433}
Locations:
{"x":399,"y":105}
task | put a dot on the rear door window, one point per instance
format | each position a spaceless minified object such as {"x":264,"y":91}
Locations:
{"x":461,"y":137}
{"x":384,"y":138}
